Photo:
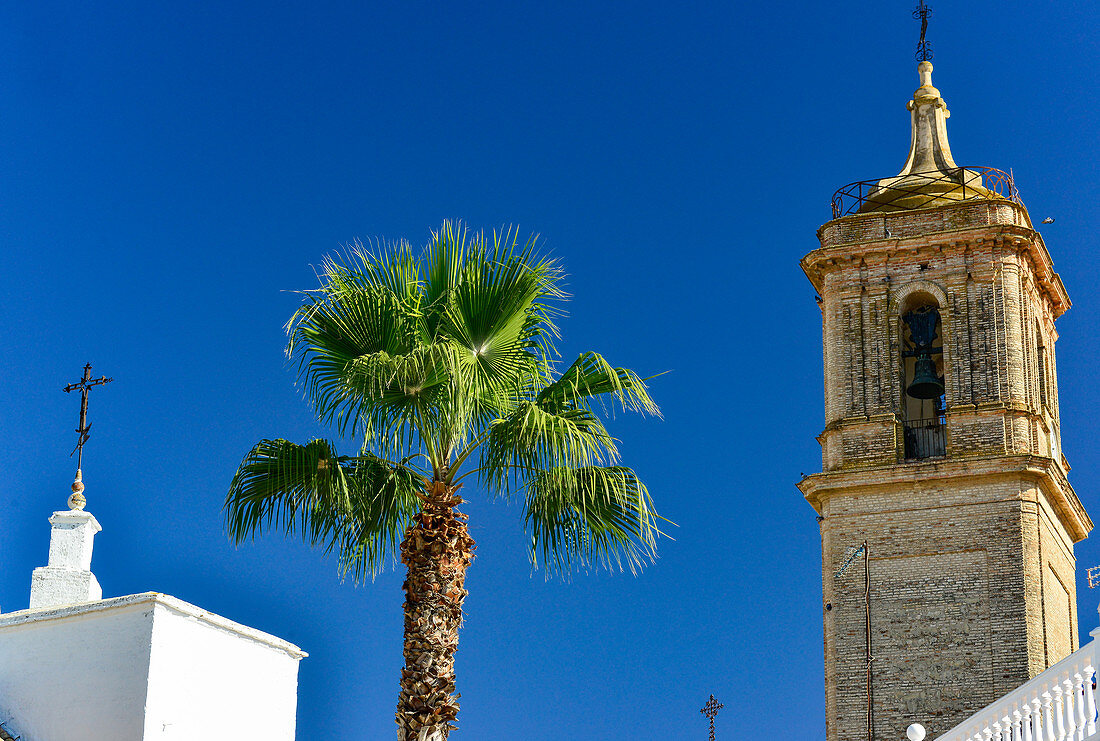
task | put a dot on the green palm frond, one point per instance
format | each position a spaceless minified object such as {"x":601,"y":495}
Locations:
{"x":591,"y":377}
{"x":414,"y":396}
{"x":395,"y":269}
{"x":590,"y":517}
{"x":358,"y":507}
{"x":534,"y":439}
{"x":337,"y":326}
{"x":441,"y":268}
{"x":499,"y":307}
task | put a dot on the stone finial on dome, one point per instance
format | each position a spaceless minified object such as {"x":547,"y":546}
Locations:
{"x":930,"y":176}
{"x":929,"y":151}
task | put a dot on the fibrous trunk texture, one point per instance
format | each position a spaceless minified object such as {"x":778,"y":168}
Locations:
{"x":437,"y":550}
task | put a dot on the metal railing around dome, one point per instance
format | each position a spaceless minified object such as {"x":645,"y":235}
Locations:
{"x":918,"y":190}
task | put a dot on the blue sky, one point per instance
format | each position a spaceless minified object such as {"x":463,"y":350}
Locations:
{"x":169,"y":172}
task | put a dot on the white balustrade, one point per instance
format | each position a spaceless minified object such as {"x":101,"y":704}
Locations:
{"x":1057,"y":705}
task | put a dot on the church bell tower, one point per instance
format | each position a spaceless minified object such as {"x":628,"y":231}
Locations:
{"x":947,"y":521}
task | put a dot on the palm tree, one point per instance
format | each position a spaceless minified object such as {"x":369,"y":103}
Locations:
{"x":443,"y":365}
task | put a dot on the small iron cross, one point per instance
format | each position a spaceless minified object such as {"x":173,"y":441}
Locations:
{"x":84,"y":384}
{"x":710,"y":710}
{"x":924,"y":49}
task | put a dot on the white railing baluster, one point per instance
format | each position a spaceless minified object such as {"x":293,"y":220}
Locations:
{"x":1017,"y":726}
{"x":1037,"y":719}
{"x":1027,"y":722}
{"x":1071,"y":711}
{"x":1048,"y":717}
{"x":1071,"y":708}
{"x":1090,"y":700}
{"x":1059,"y":712}
{"x":997,"y":731}
{"x":1079,"y":705}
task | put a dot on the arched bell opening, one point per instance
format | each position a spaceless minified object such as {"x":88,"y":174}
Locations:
{"x":923,"y":403}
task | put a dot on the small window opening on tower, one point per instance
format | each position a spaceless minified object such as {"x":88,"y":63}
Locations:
{"x":923,"y":402}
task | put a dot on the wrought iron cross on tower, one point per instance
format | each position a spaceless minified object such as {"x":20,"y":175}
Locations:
{"x":924,"y":49}
{"x":710,"y":710}
{"x":76,"y":501}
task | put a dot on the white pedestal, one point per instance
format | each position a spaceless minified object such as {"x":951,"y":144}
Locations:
{"x":67,"y":579}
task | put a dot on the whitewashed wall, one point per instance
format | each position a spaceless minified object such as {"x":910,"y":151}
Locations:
{"x":75,"y":675}
{"x":211,"y":679}
{"x":143,"y":667}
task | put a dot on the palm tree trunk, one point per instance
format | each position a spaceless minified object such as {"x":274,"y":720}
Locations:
{"x":437,"y":550}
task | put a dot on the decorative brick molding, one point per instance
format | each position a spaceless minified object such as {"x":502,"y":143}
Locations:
{"x":902,"y":292}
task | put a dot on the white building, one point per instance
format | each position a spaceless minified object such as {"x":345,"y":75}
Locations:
{"x":76,"y":667}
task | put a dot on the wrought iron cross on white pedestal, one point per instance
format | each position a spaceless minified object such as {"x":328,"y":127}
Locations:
{"x":76,"y":501}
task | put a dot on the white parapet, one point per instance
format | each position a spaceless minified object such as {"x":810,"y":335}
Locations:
{"x":146,"y":666}
{"x":67,"y":578}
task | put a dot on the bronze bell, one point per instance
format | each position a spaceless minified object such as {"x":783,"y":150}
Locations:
{"x":926,"y":384}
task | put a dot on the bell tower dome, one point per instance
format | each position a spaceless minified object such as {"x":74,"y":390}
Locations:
{"x":942,"y":469}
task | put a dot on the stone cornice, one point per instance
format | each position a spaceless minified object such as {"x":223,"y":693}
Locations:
{"x":818,"y":487}
{"x":931,"y":229}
